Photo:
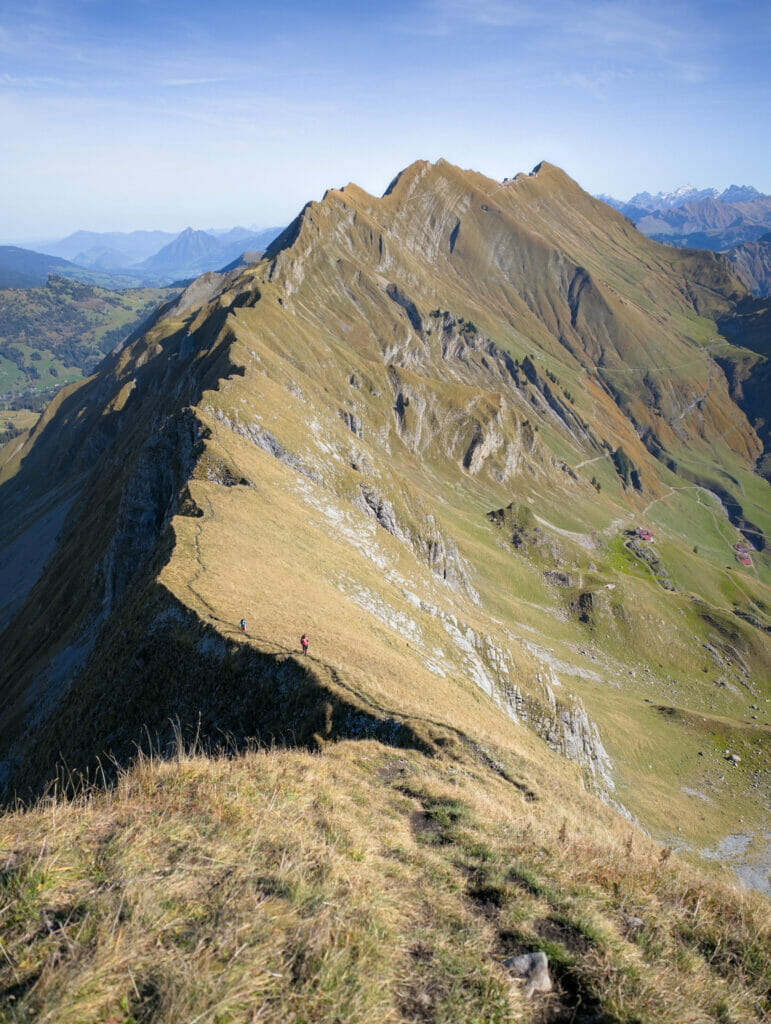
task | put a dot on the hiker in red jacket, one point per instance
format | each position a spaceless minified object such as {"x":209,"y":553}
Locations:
{"x":304,"y":641}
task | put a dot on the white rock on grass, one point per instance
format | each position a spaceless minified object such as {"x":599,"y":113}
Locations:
{"x":531,"y":968}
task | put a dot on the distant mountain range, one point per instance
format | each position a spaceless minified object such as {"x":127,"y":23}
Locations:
{"x":27,"y":268}
{"x":130,"y":260}
{"x":87,"y":247}
{"x":681,"y":196}
{"x":151,"y":254}
{"x":23,"y":268}
{"x":194,"y":252}
{"x":694,"y":218}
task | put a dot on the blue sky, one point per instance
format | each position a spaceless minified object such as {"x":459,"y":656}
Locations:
{"x":159,"y":114}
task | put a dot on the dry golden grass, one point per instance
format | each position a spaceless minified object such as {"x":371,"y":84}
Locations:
{"x":356,"y":884}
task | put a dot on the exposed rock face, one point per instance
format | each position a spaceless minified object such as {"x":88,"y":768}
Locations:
{"x":558,"y":579}
{"x":407,"y":305}
{"x":753,"y":264}
{"x":518,"y":524}
{"x":443,"y":557}
{"x":517,"y":520}
{"x":647,"y":555}
{"x":573,"y":734}
{"x":585,"y":606}
{"x":353,"y":423}
{"x":268,"y":443}
{"x":374,"y":504}
{"x":567,"y":729}
{"x":148,"y":501}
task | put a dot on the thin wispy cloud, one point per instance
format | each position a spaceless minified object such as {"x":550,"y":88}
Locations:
{"x":181,"y":83}
{"x":34,"y":81}
{"x":597,"y":83}
{"x":618,"y":25}
{"x":492,"y":13}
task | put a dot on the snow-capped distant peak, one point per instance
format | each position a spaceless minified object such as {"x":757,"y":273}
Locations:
{"x":667,"y":200}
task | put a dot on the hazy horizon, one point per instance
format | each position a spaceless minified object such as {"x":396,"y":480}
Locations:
{"x":153,"y":117}
{"x":176,"y":231}
{"x":173,"y":232}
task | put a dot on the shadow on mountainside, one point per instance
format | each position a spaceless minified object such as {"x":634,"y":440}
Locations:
{"x":162,"y":674}
{"x":749,"y":325}
{"x":115,"y":455}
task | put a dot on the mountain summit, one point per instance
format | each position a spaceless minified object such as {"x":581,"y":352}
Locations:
{"x":670,"y":200}
{"x":483,"y":441}
{"x":188,"y":248}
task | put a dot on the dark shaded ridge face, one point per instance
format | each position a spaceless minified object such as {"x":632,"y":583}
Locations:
{"x":748,"y":325}
{"x":114,"y":453}
{"x":168,"y":677}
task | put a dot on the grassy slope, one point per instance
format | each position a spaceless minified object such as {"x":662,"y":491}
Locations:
{"x":14,"y":420}
{"x":360,"y":884}
{"x":293,"y":538}
{"x":517,"y":594}
{"x":648,"y":616}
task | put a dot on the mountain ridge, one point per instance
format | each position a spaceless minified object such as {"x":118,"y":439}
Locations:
{"x":482,"y":442}
{"x":25,"y":268}
{"x":195,"y":252}
{"x":393,"y":372}
{"x":141,"y":258}
{"x":135,"y":245}
{"x":682,"y":195}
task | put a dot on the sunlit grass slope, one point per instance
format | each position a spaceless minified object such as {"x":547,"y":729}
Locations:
{"x":360,"y":884}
